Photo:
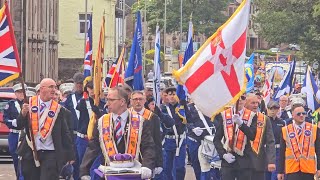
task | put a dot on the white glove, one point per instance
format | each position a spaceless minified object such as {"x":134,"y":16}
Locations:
{"x":197,"y":131}
{"x":86,"y":177}
{"x":14,"y":123}
{"x":229,"y":158}
{"x":146,"y":173}
{"x":236,"y":119}
{"x":158,"y":170}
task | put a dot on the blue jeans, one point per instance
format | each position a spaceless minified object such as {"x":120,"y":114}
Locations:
{"x":193,"y":153}
{"x":13,"y":139}
{"x":175,"y":166}
{"x":273,"y":175}
{"x":81,"y":147}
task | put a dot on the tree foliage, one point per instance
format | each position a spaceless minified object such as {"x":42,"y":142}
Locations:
{"x":291,"y":21}
{"x":207,"y":15}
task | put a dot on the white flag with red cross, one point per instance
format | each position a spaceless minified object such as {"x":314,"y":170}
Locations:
{"x":214,"y":76}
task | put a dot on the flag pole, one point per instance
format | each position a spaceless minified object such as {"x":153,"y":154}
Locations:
{"x":144,"y":40}
{"x":165,"y":27}
{"x":16,"y":53}
{"x":85,"y":26}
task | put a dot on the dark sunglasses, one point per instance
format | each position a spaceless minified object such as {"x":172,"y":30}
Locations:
{"x":301,"y":113}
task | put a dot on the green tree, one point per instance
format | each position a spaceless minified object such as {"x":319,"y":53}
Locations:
{"x":291,"y":21}
{"x":207,"y":15}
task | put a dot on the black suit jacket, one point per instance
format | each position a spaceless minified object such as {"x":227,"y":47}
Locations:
{"x":155,"y":126}
{"x":61,"y":137}
{"x":267,"y":154}
{"x":241,"y":161}
{"x":147,"y":148}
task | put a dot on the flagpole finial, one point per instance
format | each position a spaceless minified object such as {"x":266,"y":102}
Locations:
{"x":92,"y":9}
{"x":191,"y":16}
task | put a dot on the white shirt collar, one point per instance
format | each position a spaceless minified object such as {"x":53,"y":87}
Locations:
{"x":296,"y":125}
{"x":124,"y":115}
{"x":48,"y":103}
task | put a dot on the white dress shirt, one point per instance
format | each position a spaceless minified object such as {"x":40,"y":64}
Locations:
{"x":48,"y":143}
{"x":124,"y":117}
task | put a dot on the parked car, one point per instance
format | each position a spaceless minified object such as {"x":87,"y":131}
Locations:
{"x":274,"y":50}
{"x":294,"y":47}
{"x":6,"y":94}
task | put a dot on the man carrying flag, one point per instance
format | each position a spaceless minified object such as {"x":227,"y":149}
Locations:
{"x":133,"y":75}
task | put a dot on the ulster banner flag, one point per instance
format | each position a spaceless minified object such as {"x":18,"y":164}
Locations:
{"x":215,"y":76}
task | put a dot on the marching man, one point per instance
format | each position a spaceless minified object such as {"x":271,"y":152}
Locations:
{"x":299,"y":148}
{"x":238,"y":129}
{"x":116,"y":134}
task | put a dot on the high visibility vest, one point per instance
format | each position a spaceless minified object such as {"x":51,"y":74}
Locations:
{"x":300,"y":151}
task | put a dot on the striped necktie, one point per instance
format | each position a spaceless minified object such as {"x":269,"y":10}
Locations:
{"x":299,"y":130}
{"x":118,"y":129}
{"x":42,"y":106}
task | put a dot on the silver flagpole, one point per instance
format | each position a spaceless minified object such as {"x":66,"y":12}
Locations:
{"x":144,"y":40}
{"x":165,"y":26}
{"x":85,"y":27}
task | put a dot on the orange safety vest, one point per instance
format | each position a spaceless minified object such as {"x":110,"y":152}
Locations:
{"x":133,"y":140}
{"x":256,"y":143}
{"x":300,"y":151}
{"x":240,"y":139}
{"x":49,"y":121}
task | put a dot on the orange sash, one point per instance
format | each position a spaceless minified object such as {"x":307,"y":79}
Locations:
{"x":134,"y":131}
{"x":49,"y":121}
{"x":305,"y":138}
{"x":256,"y":143}
{"x":239,"y":140}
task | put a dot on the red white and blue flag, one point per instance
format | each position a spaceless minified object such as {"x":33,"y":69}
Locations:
{"x":214,"y":76}
{"x":87,"y":66}
{"x":115,"y":75}
{"x":9,"y":56}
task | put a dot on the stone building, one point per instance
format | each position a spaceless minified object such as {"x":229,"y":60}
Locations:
{"x":36,"y":30}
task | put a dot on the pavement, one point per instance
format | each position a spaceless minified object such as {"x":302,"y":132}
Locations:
{"x":7,"y":170}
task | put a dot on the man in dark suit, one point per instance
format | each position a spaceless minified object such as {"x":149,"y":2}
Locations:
{"x":121,"y":118}
{"x":236,"y":162}
{"x":52,"y":139}
{"x":264,"y":150}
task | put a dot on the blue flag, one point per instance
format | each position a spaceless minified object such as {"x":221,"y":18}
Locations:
{"x":133,"y":75}
{"x":250,"y":73}
{"x":181,"y":90}
{"x":285,"y":86}
{"x":310,"y":88}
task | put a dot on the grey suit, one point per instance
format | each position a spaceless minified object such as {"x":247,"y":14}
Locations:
{"x":267,"y":154}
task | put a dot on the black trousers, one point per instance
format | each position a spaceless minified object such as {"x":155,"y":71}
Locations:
{"x":300,"y":176}
{"x":48,"y":169}
{"x":232,"y":173}
{"x":261,"y":175}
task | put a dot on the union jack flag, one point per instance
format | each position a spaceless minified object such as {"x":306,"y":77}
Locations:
{"x":9,"y":56}
{"x":115,"y":75}
{"x":87,"y":66}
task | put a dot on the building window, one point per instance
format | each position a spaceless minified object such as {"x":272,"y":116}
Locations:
{"x":82,"y":21}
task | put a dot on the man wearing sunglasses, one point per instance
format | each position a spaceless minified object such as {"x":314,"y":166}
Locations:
{"x":263,"y":146}
{"x":237,"y":129}
{"x":299,"y":148}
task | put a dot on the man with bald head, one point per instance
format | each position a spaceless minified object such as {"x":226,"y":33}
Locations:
{"x":263,"y":146}
{"x":47,"y":121}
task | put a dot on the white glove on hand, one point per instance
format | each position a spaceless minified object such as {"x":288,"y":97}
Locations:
{"x":146,"y":173}
{"x":197,"y":131}
{"x":236,"y":119}
{"x":86,"y":177}
{"x":229,"y":158}
{"x":158,"y":170}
